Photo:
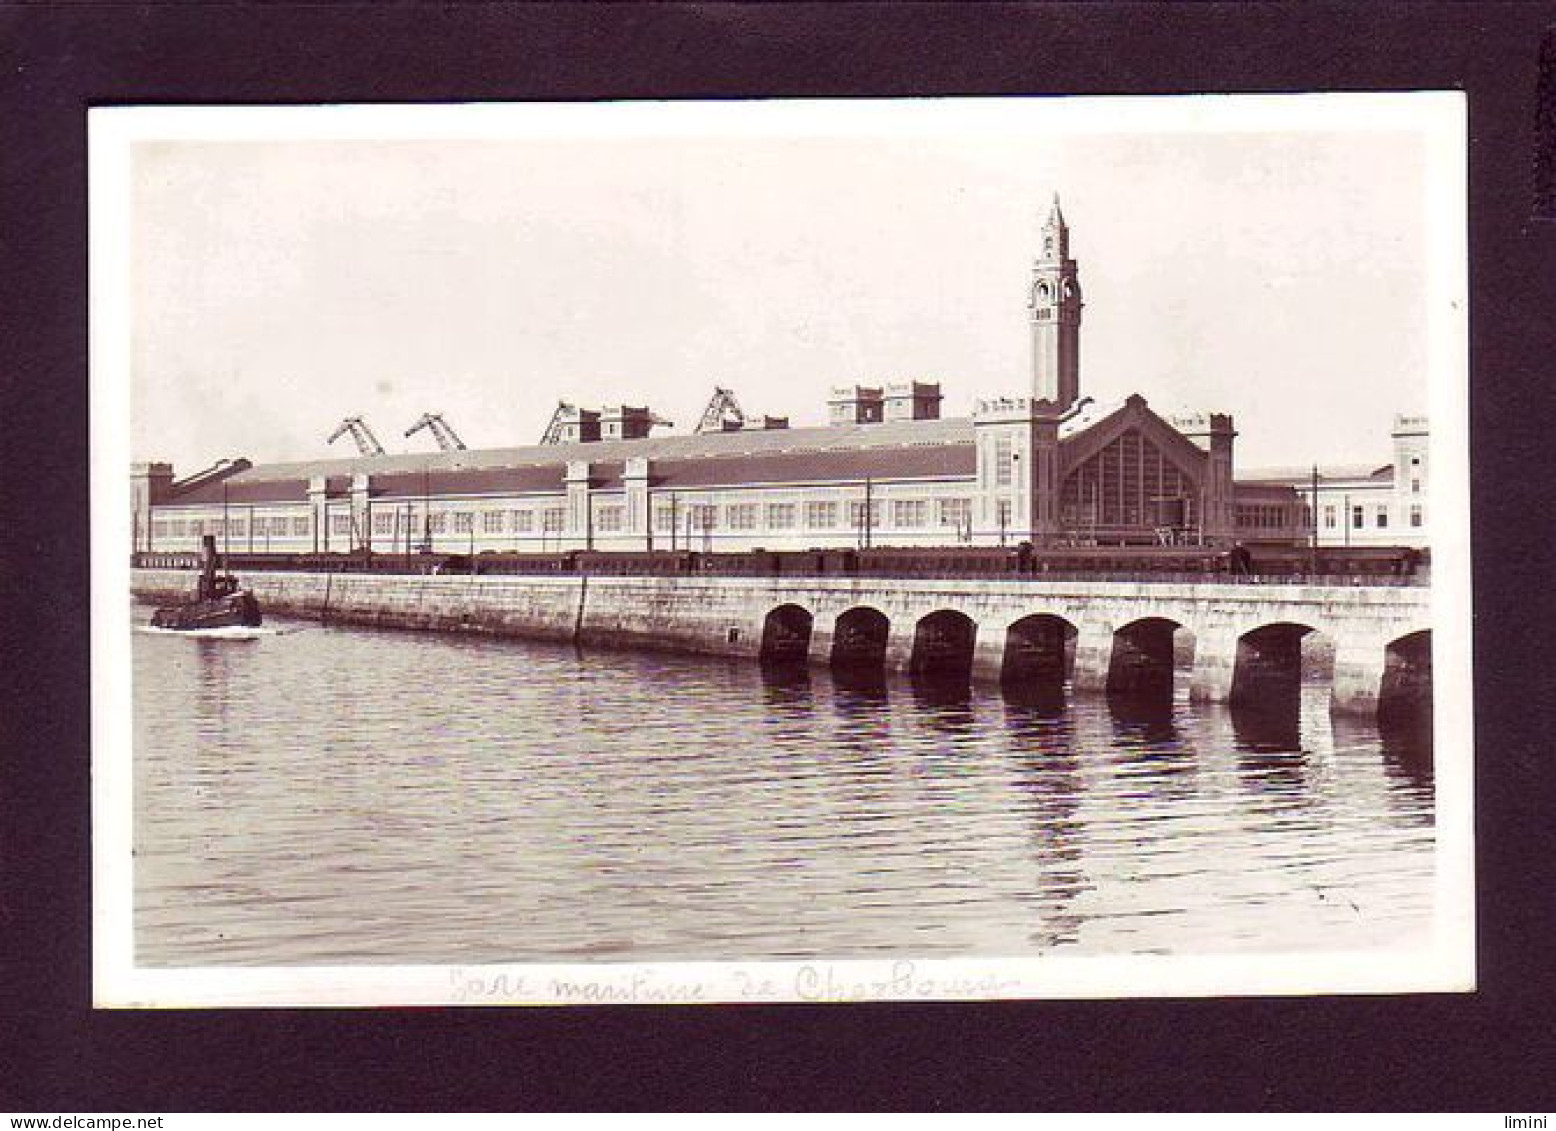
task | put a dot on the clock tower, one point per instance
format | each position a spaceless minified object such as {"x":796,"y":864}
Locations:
{"x":1054,"y":301}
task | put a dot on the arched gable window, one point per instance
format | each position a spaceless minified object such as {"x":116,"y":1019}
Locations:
{"x":1129,"y":484}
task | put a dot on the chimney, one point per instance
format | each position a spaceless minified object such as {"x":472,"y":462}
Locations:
{"x":579,"y":426}
{"x":625,"y":422}
{"x":855,"y":404}
{"x":913,"y":400}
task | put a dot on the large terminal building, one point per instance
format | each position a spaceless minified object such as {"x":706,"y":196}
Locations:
{"x":1049,"y":467}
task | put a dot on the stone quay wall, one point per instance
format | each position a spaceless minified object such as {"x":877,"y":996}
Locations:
{"x":727,"y":616}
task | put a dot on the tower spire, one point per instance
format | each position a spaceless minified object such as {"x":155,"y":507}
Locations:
{"x":1055,"y":305}
{"x":1056,"y":234}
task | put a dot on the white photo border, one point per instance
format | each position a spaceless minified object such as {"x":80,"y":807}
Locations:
{"x":1445,"y":964}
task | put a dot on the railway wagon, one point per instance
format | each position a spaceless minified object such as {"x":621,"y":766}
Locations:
{"x":1364,"y":563}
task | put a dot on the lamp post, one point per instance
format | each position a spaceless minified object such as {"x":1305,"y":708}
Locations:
{"x":869,"y":512}
{"x":1015,"y":479}
{"x":1313,"y":522}
{"x":867,"y":515}
{"x":426,"y":509}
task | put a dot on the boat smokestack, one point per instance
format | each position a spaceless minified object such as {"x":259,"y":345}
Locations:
{"x":207,"y":566}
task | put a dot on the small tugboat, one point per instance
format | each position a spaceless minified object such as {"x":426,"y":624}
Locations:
{"x":218,"y":603}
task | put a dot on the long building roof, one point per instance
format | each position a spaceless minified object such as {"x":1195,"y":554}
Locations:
{"x":896,"y":450}
{"x":1327,"y":473}
{"x":916,"y":449}
{"x":685,"y":445}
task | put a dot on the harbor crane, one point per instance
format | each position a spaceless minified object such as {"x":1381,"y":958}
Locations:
{"x":367,"y":443}
{"x":448,"y":440}
{"x":560,"y":417}
{"x":722,"y":413}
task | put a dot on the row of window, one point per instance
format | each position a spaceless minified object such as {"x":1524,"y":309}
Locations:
{"x":457,"y":522}
{"x":1263,"y":516}
{"x":290,"y":526}
{"x":904,"y":514}
{"x":1416,"y":516}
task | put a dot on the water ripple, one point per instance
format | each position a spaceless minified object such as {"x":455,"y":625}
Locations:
{"x":344,"y":796}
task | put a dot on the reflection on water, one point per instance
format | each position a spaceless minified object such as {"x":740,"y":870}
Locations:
{"x":1267,"y":729}
{"x":1407,"y":757}
{"x":1269,"y":747}
{"x":1143,"y":720}
{"x":1037,"y":699}
{"x":344,"y":796}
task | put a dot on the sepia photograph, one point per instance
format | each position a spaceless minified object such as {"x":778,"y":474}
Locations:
{"x":780,"y":550}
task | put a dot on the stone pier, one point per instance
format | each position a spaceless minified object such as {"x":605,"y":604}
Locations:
{"x":1247,"y":639}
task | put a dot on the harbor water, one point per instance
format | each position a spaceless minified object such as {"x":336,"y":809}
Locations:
{"x":326,"y":795}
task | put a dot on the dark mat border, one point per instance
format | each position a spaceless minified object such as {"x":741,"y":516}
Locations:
{"x":1489,"y":1051}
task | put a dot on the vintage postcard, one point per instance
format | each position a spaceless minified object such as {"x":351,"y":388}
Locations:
{"x":780,"y":551}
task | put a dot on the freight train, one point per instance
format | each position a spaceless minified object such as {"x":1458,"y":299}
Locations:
{"x":1371,"y":564}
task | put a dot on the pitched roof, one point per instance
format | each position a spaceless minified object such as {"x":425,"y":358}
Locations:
{"x":1329,"y":473}
{"x":243,"y":492}
{"x":894,"y":434}
{"x":1090,"y":431}
{"x":914,"y":449}
{"x":1091,"y":413}
{"x":470,"y":481}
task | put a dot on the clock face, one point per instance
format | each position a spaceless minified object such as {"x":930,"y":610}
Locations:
{"x":1069,"y":289}
{"x":1041,"y":294}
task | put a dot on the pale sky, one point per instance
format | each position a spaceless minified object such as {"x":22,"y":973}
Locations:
{"x":278,"y":286}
